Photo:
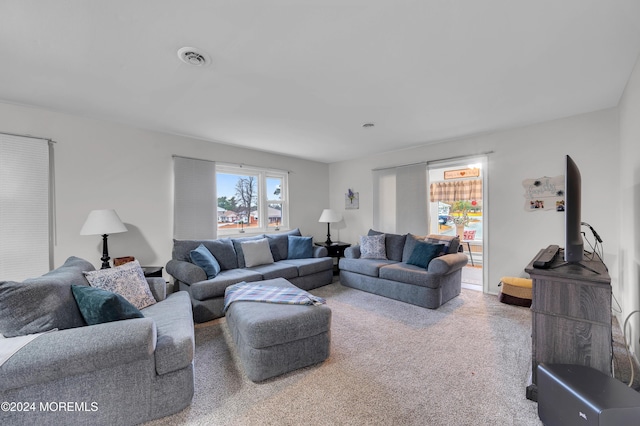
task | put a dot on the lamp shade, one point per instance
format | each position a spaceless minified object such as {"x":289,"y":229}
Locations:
{"x":330,"y":216}
{"x":102,"y":222}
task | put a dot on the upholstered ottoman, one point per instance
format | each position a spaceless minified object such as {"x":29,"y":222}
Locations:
{"x":516,"y":291}
{"x":274,"y":338}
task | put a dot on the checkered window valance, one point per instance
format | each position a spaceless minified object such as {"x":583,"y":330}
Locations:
{"x":450,"y":192}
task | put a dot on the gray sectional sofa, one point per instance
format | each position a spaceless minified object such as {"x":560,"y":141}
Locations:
{"x":207,"y":293}
{"x":395,"y":278}
{"x":121,"y":372}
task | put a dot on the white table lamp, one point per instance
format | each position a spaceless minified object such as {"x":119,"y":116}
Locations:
{"x":329,"y":216}
{"x":103,"y":222}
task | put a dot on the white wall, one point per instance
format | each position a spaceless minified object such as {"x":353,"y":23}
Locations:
{"x":629,"y":212}
{"x":514,"y":235}
{"x":99,"y":164}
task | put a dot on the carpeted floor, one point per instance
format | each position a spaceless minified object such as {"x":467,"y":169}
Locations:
{"x":391,"y":363}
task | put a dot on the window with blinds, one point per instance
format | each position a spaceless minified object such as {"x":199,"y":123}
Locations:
{"x":25,"y":207}
{"x":213,"y":199}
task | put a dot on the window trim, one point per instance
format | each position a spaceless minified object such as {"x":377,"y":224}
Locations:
{"x":263,"y":201}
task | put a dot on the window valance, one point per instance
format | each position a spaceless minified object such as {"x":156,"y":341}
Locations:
{"x":450,"y":192}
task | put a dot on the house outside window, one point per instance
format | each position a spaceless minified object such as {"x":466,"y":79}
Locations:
{"x":250,"y":199}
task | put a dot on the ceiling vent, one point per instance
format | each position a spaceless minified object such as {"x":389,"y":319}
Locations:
{"x":193,"y":56}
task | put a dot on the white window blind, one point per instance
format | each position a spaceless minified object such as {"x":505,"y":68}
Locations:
{"x":400,"y":199}
{"x":25,"y":225}
{"x":194,"y":193}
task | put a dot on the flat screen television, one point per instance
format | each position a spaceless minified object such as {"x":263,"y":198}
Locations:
{"x":574,"y":244}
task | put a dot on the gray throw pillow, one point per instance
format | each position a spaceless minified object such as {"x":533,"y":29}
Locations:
{"x":372,"y":247}
{"x":450,"y":243}
{"x":237,"y":245}
{"x":394,"y":244}
{"x":256,"y":253}
{"x":43,"y":303}
{"x":222,"y":249}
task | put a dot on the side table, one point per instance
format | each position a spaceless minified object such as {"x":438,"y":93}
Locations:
{"x":152,"y":271}
{"x":336,"y":250}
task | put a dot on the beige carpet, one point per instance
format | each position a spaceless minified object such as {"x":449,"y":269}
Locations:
{"x":472,"y":276}
{"x":391,"y":363}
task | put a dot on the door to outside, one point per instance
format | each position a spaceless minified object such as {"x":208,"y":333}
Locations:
{"x":456,"y":208}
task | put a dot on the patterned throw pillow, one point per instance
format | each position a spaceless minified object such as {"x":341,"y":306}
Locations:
{"x":127,"y":280}
{"x":373,"y":247}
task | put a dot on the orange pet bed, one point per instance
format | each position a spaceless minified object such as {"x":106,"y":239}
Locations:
{"x":516,"y":291}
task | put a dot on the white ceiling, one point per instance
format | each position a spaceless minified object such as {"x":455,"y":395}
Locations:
{"x":300,"y":77}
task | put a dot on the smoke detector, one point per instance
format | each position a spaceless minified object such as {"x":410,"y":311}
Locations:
{"x":193,"y":56}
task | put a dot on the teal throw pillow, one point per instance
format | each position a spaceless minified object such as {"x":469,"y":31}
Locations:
{"x":98,"y":306}
{"x":300,"y":247}
{"x":423,"y":253}
{"x":203,"y":258}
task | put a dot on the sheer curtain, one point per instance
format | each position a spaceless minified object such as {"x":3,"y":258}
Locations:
{"x":194,"y":199}
{"x":25,"y":207}
{"x":400,"y":199}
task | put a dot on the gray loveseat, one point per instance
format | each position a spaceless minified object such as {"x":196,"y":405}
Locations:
{"x":122,"y":372}
{"x":393,"y":277}
{"x":207,"y":294}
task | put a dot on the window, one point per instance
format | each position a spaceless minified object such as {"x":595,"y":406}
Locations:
{"x":250,"y":198}
{"x":25,"y":207}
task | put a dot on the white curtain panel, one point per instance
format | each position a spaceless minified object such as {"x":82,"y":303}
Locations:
{"x":25,"y":229}
{"x":400,"y":200}
{"x":411,"y":199}
{"x":194,"y":199}
{"x":384,"y":200}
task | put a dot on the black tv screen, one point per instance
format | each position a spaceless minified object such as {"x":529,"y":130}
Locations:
{"x":574,"y":245}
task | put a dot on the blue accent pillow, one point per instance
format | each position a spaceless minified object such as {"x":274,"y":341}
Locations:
{"x":98,"y":306}
{"x":299,"y":247}
{"x":279,"y":244}
{"x":423,"y":253}
{"x":203,"y":258}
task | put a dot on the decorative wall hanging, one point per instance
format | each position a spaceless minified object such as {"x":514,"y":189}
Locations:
{"x":545,"y":193}
{"x":351,"y":200}
{"x":461,"y":174}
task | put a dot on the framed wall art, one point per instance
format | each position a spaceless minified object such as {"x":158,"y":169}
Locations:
{"x":351,"y":200}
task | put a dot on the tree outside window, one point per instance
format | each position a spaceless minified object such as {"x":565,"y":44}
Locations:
{"x":250,"y":199}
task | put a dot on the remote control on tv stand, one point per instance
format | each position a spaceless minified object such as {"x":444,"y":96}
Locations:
{"x":546,"y":257}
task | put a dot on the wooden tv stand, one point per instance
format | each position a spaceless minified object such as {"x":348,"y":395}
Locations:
{"x":571,"y":316}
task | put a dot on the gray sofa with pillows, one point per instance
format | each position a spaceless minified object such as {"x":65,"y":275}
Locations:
{"x":120,"y":371}
{"x":423,"y":271}
{"x":205,"y":268}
